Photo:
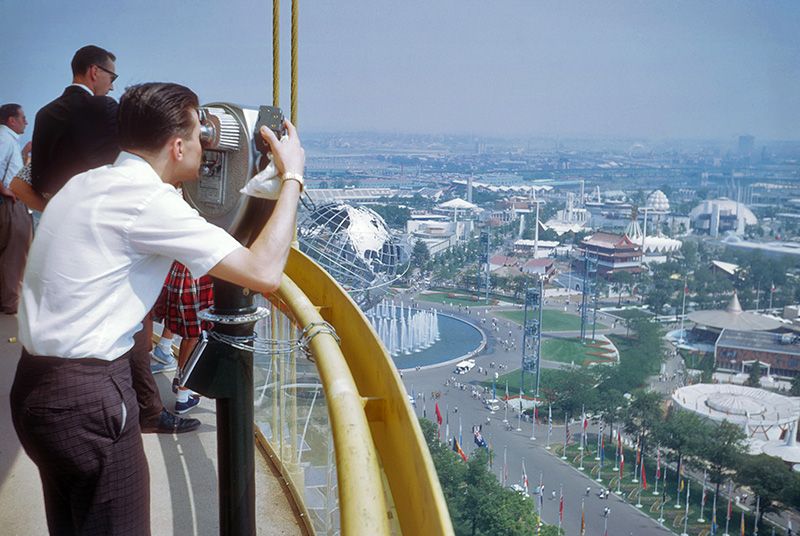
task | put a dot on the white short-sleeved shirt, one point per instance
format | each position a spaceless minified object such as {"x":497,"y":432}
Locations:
{"x":10,"y":155}
{"x":100,"y":255}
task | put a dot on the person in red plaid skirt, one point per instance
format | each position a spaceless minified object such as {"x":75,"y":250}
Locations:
{"x":177,"y":307}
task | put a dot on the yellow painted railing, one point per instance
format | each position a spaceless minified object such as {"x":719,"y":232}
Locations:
{"x":394,"y":439}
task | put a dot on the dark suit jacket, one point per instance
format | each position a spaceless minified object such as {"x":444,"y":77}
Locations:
{"x":74,"y":133}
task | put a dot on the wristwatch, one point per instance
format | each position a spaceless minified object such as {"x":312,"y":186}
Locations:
{"x":291,"y":176}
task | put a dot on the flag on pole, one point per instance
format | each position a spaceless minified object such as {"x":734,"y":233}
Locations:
{"x":524,"y":477}
{"x":638,"y":450}
{"x":741,"y":525}
{"x":561,"y":506}
{"x":505,"y":467}
{"x":583,"y":519}
{"x":447,"y":424}
{"x":566,"y":431}
{"x":658,"y":463}
{"x":457,"y":448}
{"x":621,"y":464}
{"x":703,"y":497}
{"x":549,"y":419}
{"x":602,"y":450}
{"x":730,"y":505}
{"x":714,"y":522}
{"x":644,"y":477}
{"x":424,"y":407}
{"x":438,"y":414}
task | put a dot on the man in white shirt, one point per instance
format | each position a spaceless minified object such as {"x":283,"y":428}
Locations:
{"x":16,"y":227}
{"x":96,"y":266}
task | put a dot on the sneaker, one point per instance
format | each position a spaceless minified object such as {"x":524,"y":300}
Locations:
{"x":155,"y":368}
{"x":183,"y":407}
{"x":163,"y":357}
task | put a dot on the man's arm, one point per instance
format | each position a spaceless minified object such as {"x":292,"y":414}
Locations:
{"x":260,"y":266}
{"x":27,"y":194}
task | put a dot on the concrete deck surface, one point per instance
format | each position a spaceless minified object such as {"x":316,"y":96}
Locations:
{"x":183,"y":471}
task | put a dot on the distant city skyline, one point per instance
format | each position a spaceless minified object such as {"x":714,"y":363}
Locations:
{"x":624,"y":69}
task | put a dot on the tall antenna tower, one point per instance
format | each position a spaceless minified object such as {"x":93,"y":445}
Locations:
{"x":532,"y":334}
{"x":589,"y":293}
{"x":484,"y":249}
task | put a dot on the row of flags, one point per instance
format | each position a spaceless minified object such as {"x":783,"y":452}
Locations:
{"x":481,"y":442}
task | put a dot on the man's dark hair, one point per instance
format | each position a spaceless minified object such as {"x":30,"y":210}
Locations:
{"x":90,"y":55}
{"x":7,"y":111}
{"x":150,"y":114}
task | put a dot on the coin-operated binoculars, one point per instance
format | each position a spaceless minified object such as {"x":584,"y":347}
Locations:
{"x":233,"y":151}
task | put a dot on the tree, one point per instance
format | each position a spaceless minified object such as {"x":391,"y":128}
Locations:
{"x":795,"y":391}
{"x":643,"y":415}
{"x":719,"y":451}
{"x":754,"y":379}
{"x":420,"y":255}
{"x":478,"y":504}
{"x":680,"y":433}
{"x":771,"y":480}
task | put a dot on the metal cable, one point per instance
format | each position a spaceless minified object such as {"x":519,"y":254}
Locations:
{"x":276,"y":52}
{"x":295,"y":12}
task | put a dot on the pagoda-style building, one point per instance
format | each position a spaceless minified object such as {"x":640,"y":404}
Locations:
{"x":614,"y":253}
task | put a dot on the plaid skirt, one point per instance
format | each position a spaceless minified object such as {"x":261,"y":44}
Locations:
{"x":181,"y":299}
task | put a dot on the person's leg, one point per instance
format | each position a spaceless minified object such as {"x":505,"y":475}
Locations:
{"x":150,"y":404}
{"x":17,"y":233}
{"x":78,"y":422}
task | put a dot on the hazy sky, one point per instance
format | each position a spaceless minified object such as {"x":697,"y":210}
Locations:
{"x":616,"y":68}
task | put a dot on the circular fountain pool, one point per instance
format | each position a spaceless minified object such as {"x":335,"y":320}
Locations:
{"x":457,"y":340}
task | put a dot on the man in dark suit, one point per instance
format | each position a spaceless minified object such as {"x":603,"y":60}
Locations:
{"x":78,"y":130}
{"x":75,"y":133}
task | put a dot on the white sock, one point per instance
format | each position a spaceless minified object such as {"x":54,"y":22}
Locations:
{"x":165,"y":344}
{"x":183,"y":395}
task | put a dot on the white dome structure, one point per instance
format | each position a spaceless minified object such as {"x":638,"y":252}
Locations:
{"x":657,"y":202}
{"x":763,"y":415}
{"x":716,"y":216}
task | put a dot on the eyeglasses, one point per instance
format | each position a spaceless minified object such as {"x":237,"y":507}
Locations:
{"x":113,"y":75}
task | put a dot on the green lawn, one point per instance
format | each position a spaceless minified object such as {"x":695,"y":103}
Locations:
{"x":629,"y":314}
{"x":455,"y":298}
{"x":568,"y":351}
{"x":551,"y":320}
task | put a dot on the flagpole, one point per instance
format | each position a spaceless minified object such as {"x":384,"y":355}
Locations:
{"x":758,"y":508}
{"x":580,"y":467}
{"x":605,"y":525}
{"x":621,"y":472}
{"x":602,"y":450}
{"x":505,"y":421}
{"x":728,"y":515}
{"x":701,"y":519}
{"x":460,"y":438}
{"x":447,"y":423}
{"x":597,"y":455}
{"x":566,"y":436}
{"x":583,"y":518}
{"x":658,"y":469}
{"x":641,"y":487}
{"x":561,"y":508}
{"x":533,"y":422}
{"x":680,"y":488}
{"x":686,"y":515}
{"x":583,"y":428}
{"x":663,"y":496}
{"x":616,"y":451}
{"x":519,"y":417}
{"x":549,"y":425}
{"x":714,"y":515}
{"x":635,"y":479}
{"x":505,"y":466}
{"x":683,"y":308}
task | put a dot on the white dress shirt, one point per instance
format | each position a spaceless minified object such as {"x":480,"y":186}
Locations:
{"x":100,"y":255}
{"x":10,"y":155}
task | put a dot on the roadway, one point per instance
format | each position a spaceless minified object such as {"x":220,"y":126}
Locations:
{"x":624,"y":518}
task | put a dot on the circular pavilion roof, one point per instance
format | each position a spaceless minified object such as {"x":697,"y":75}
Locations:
{"x":737,"y":404}
{"x":733,"y":317}
{"x":658,"y":201}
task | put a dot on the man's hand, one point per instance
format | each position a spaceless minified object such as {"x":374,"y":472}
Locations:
{"x":8,"y":194}
{"x":289,"y":155}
